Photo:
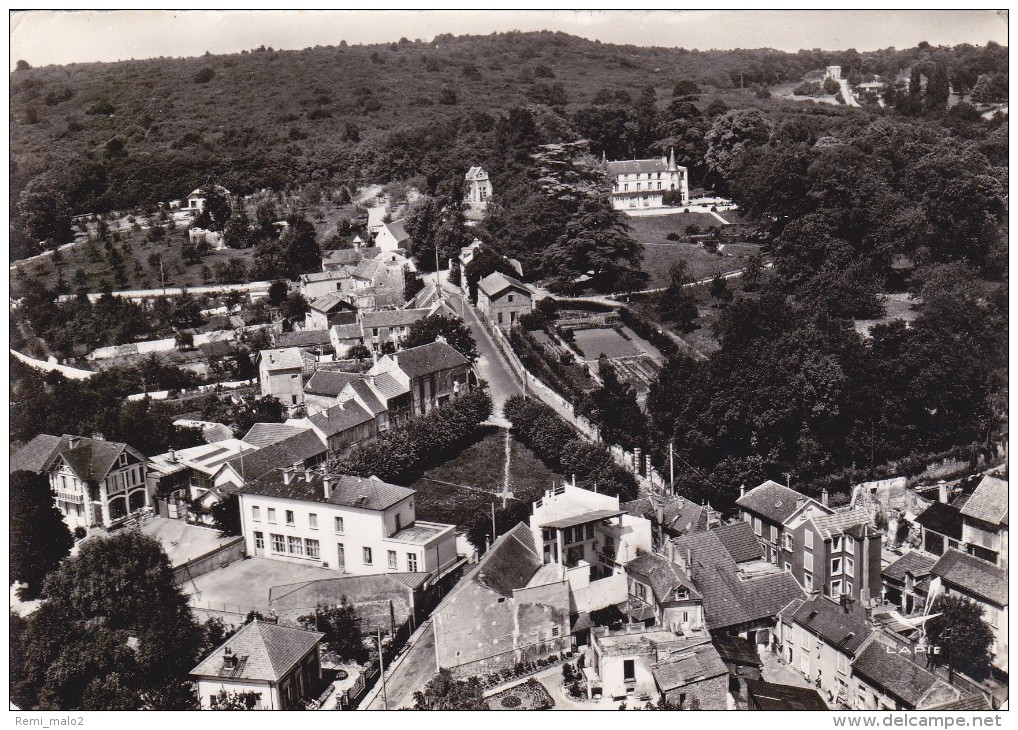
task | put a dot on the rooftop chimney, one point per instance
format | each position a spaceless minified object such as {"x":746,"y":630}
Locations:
{"x":173,"y":456}
{"x":98,"y":437}
{"x":229,"y":659}
{"x":942,"y":491}
{"x":327,"y":485}
{"x":825,"y":497}
{"x":288,"y":475}
{"x":742,"y":490}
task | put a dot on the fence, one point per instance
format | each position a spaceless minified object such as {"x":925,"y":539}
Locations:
{"x":215,"y":559}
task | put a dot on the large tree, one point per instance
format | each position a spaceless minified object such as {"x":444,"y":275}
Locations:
{"x":452,"y":329}
{"x":962,"y":634}
{"x":39,"y":537}
{"x":676,"y":303}
{"x":341,"y":626}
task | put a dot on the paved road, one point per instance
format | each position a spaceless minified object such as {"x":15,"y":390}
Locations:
{"x":490,"y":366}
{"x":846,"y":92}
{"x":410,"y":672}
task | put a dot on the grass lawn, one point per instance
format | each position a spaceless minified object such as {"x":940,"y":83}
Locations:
{"x":531,"y":695}
{"x":654,"y":229}
{"x":481,"y":465}
{"x":593,"y":343}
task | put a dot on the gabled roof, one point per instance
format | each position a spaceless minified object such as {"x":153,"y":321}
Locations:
{"x":329,"y":382}
{"x":297,"y":448}
{"x":629,"y":167}
{"x":424,"y":360}
{"x":264,"y":652}
{"x":330,"y":275}
{"x":341,"y":418}
{"x":783,"y":697}
{"x":971,"y":703}
{"x":92,"y":459}
{"x":989,"y":502}
{"x":266,"y":434}
{"x":510,"y":563}
{"x":367,"y":269}
{"x":397,"y":230}
{"x":370,"y":400}
{"x":37,"y":454}
{"x":973,"y":576}
{"x":213,"y":433}
{"x":663,"y":575}
{"x":914,"y":563}
{"x":942,"y":519}
{"x":387,"y":386}
{"x":740,"y":541}
{"x":830,"y":622}
{"x":343,"y":332}
{"x":393,"y":317}
{"x":678,"y":514}
{"x":728,"y":598}
{"x":774,"y":501}
{"x":346,"y":490}
{"x":347,"y":256}
{"x":476,"y":173}
{"x":496,"y":283}
{"x":331,"y":302}
{"x":301,"y":338}
{"x":894,"y":673}
{"x":736,"y":650}
{"x":698,"y":664}
{"x":288,"y":358}
{"x":837,"y":523}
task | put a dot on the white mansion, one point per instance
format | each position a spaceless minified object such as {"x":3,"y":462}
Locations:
{"x":643,"y":183}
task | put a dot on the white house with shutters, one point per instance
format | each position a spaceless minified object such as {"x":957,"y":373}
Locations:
{"x":643,"y":183}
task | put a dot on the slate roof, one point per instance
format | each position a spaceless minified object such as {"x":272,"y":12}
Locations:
{"x":283,"y":359}
{"x":679,"y":515}
{"x":783,"y":697}
{"x":346,"y":490}
{"x":266,"y":434}
{"x":341,"y":418}
{"x":727,"y":599}
{"x":629,"y":167}
{"x":510,"y":563}
{"x":265,"y":652}
{"x":972,"y":575}
{"x":914,"y":562}
{"x":973,"y":702}
{"x":476,"y":173}
{"x":216,"y":432}
{"x":92,"y":459}
{"x":942,"y":519}
{"x":37,"y":454}
{"x":829,"y":621}
{"x":302,"y":338}
{"x":393,"y":317}
{"x":989,"y":502}
{"x":331,"y":302}
{"x":736,"y":650}
{"x":350,"y":331}
{"x":494,"y":284}
{"x":332,"y":275}
{"x":773,"y":501}
{"x":740,"y":541}
{"x":837,"y":523}
{"x":398,"y":231}
{"x":663,"y":575}
{"x":894,"y":673}
{"x":329,"y":382}
{"x":347,"y":256}
{"x":362,"y":389}
{"x":696,"y":665}
{"x":388,"y":386}
{"x":299,"y":447}
{"x":427,"y":359}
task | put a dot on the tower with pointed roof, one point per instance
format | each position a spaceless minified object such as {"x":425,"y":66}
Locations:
{"x":638,"y":184}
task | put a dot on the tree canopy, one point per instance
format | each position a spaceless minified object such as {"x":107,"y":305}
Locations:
{"x":39,"y":537}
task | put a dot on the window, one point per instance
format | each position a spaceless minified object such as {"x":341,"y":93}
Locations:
{"x":638,"y":185}
{"x":807,"y":561}
{"x":500,"y":318}
{"x":807,"y":539}
{"x":289,"y":517}
{"x":774,"y":534}
{"x":629,"y":670}
{"x":842,"y":663}
{"x":392,"y":559}
{"x":256,"y":514}
{"x":590,"y":531}
{"x":295,"y":545}
{"x":311,"y":548}
{"x":259,"y":541}
{"x":659,"y":186}
{"x":295,"y":375}
{"x":757,"y":526}
{"x":835,"y":566}
{"x":788,"y":567}
{"x":367,"y":556}
{"x":339,"y":524}
{"x":555,"y":632}
{"x":340,"y":556}
{"x":640,"y":591}
{"x":272,"y":515}
{"x":411,"y":562}
{"x":835,"y":588}
{"x":849,"y":567}
{"x":548,"y":535}
{"x":293,"y":400}
{"x":807,"y":581}
{"x":278,"y":544}
{"x":313,"y":521}
{"x":836,"y":544}
{"x":848,"y":588}
{"x":510,"y":298}
{"x":789,"y":542}
{"x":850,"y":546}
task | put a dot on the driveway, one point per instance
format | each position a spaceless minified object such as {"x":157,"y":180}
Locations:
{"x":409,"y":673}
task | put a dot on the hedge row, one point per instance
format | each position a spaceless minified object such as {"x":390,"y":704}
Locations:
{"x":404,"y":449}
{"x":557,"y":444}
{"x":649,"y":331}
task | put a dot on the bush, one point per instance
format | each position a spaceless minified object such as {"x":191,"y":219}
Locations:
{"x":673,"y":236}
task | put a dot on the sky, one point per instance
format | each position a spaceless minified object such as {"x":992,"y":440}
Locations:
{"x":44,"y":37}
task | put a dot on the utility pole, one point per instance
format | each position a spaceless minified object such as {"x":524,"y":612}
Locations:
{"x":788,"y":480}
{"x":381,"y":669}
{"x":494,"y":532}
{"x":162,"y":277}
{"x":671,"y":465}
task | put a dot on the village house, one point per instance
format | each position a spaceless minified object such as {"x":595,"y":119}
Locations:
{"x":504,"y":611}
{"x":342,"y":426}
{"x":886,"y":676}
{"x":478,"y":189}
{"x":322,"y":389}
{"x":345,"y":337}
{"x":317,"y":284}
{"x":282,"y":665}
{"x":643,"y":183}
{"x":983,"y":583}
{"x":433,"y":375}
{"x":95,"y":483}
{"x":176,"y":478}
{"x":196,"y":200}
{"x":672,"y":515}
{"x":941,"y":526}
{"x":329,"y":311}
{"x":392,"y":236}
{"x":502,"y":300}
{"x":907,"y":580}
{"x":770,"y":697}
{"x":739,"y":598}
{"x":344,"y":259}
{"x":280,"y":373}
{"x":317,"y":342}
{"x":660,"y":594}
{"x":985,"y":521}
{"x":388,"y":326}
{"x":821,"y":639}
{"x":769,"y":508}
{"x":349,"y":524}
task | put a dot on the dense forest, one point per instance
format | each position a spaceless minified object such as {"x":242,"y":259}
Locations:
{"x":906,"y":197}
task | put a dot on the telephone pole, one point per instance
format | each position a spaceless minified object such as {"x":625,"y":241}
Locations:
{"x":381,"y":669}
{"x":671,"y":466}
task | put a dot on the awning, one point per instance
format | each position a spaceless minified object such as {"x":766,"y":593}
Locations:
{"x":583,"y":519}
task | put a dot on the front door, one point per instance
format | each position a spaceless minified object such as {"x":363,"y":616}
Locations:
{"x":340,"y":557}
